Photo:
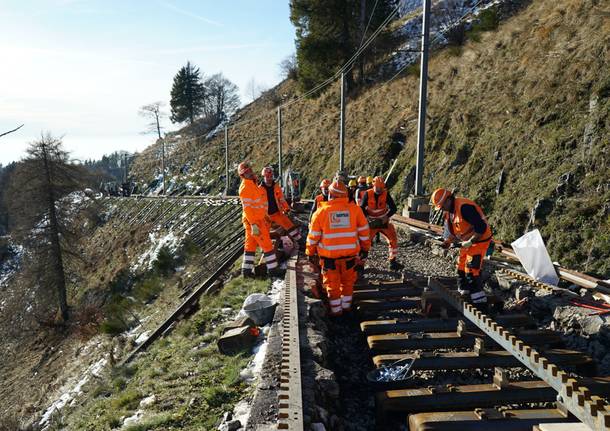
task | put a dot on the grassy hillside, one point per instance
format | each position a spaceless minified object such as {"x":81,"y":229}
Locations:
{"x":531,"y":98}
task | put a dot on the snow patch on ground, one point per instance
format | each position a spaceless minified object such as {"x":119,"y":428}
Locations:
{"x":146,"y":260}
{"x":69,"y":396}
{"x":252,"y":372}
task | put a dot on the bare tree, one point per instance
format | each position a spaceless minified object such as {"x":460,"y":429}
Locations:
{"x":288,"y":67}
{"x":222,"y":98}
{"x":11,"y":131}
{"x":36,"y":186}
{"x":254,"y":89}
{"x":153,"y":112}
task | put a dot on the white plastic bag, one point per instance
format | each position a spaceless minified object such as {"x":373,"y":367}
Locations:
{"x":531,"y":251}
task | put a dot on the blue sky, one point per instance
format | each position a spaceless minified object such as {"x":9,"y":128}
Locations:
{"x":82,"y":68}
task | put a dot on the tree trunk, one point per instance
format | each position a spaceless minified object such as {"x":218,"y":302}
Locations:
{"x":56,"y":256}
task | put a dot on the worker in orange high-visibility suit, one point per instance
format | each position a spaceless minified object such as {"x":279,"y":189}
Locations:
{"x":338,"y":234}
{"x":379,"y":206}
{"x":277,"y":207}
{"x":466,"y":224}
{"x":254,"y":219}
{"x":321,"y":198}
{"x":360,"y":189}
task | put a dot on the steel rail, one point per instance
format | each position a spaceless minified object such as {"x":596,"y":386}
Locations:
{"x":590,"y":409}
{"x":290,"y":415}
{"x":236,"y":252}
{"x":578,"y":278}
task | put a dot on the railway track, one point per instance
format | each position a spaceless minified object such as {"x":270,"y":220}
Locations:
{"x":522,"y":376}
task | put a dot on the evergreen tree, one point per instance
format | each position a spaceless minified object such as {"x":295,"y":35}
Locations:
{"x":329,"y":32}
{"x":39,"y":220}
{"x":188,"y":94}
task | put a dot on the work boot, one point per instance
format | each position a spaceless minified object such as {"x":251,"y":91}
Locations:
{"x":463,"y":285}
{"x":395,"y":265}
{"x":247,"y":273}
{"x":276,"y":272}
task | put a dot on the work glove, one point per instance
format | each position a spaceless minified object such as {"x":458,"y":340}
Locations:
{"x":466,"y":244}
{"x":447,"y":244}
{"x":255,"y":230}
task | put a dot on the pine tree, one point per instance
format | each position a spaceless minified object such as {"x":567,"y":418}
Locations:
{"x":188,"y":94}
{"x":38,"y":219}
{"x":329,"y":32}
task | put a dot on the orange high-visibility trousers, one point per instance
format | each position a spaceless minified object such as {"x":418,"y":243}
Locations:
{"x":284,"y":221}
{"x":389,"y":233}
{"x":338,"y":277}
{"x":470,"y":260}
{"x":263,"y":240}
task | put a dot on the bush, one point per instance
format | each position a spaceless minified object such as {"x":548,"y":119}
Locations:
{"x":165,"y":264}
{"x":128,"y":400}
{"x":114,"y":326}
{"x":487,"y":20}
{"x":147,"y":289}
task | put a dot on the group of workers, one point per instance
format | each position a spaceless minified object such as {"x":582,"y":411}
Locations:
{"x":344,"y":220}
{"x":263,"y":203}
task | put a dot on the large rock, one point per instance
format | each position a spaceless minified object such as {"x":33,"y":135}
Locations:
{"x":574,"y":317}
{"x":326,"y":384}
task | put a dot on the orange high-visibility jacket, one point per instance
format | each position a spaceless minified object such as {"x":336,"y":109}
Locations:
{"x":282,"y":205}
{"x":377,"y":208}
{"x":253,"y":200}
{"x":459,"y":227}
{"x":338,"y":229}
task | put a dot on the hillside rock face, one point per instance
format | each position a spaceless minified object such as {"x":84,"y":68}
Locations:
{"x":527,"y":106}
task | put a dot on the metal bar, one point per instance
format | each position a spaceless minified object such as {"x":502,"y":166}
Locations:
{"x":591,"y":410}
{"x":473,"y":421}
{"x":474,"y":396}
{"x":472,"y":360}
{"x":226,"y":160}
{"x":290,"y":415}
{"x":378,"y":327}
{"x":342,"y":126}
{"x":279,"y":144}
{"x":423,"y":93}
{"x":188,"y":303}
{"x":464,"y":397}
{"x":360,"y":295}
{"x":163,"y":163}
{"x":441,"y":340}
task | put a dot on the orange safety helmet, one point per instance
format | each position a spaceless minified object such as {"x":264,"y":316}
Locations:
{"x":325,"y":184}
{"x":243,"y":168}
{"x":337,"y":190}
{"x":378,"y":185}
{"x":267,"y":172}
{"x":439,"y":196}
{"x":361,"y":180}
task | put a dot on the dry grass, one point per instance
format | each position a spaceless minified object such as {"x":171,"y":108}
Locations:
{"x":516,"y":100}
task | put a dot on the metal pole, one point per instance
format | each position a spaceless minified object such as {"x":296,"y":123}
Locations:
{"x":163,"y":162}
{"x":279,"y":143}
{"x":423,"y":92}
{"x":342,"y":126}
{"x":125,"y":163}
{"x":226,"y":160}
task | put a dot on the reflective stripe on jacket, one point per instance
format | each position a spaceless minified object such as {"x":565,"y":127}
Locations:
{"x":253,"y":200}
{"x":338,"y":229}
{"x":459,"y":227}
